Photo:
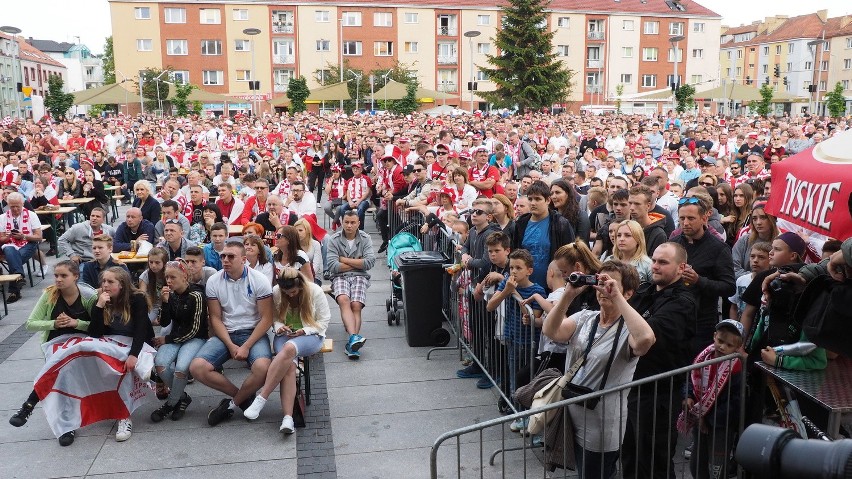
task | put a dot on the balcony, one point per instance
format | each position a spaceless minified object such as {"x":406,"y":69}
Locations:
{"x":594,"y":89}
{"x":448,"y":59}
{"x":280,"y":87}
{"x":596,"y":35}
{"x":279,"y":27}
{"x":448,"y":87}
{"x":448,"y":31}
{"x":283,"y":59}
{"x":594,"y":64}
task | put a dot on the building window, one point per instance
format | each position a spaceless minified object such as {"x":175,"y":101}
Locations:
{"x":627,"y":25}
{"x":179,"y":76}
{"x":698,"y":27}
{"x":672,"y":54}
{"x":649,"y":81}
{"x":765,"y":68}
{"x":323,"y":45}
{"x":823,"y":85}
{"x":823,"y":66}
{"x":766,"y":50}
{"x":322,"y":16}
{"x":240,"y":14}
{"x":211,"y":47}
{"x":847,"y":63}
{"x":482,"y":76}
{"x":676,"y":28}
{"x":789,"y":66}
{"x":383,"y":49}
{"x":669,"y":79}
{"x":483,"y":19}
{"x":652,"y":28}
{"x":243,"y":75}
{"x":739,"y":72}
{"x":696,"y":79}
{"x":383,"y":19}
{"x":845,"y":84}
{"x":563,"y":22}
{"x":351,"y":19}
{"x":790,"y":47}
{"x":176,"y":47}
{"x":210,"y":16}
{"x":739,"y":53}
{"x":352,"y":48}
{"x":447,"y":80}
{"x":777,"y":49}
{"x":483,"y":48}
{"x":808,"y":66}
{"x":627,"y":78}
{"x":729,"y":54}
{"x":144,"y":45}
{"x":213,"y":77}
{"x":562,"y":50}
{"x":411,"y":17}
{"x":728,"y":72}
{"x":410,"y":47}
{"x":142,"y":13}
{"x":321,"y":76}
{"x":825,"y":46}
{"x":649,"y":54}
{"x":242,"y":45}
{"x":174,"y":15}
{"x":627,"y":52}
{"x":282,"y":77}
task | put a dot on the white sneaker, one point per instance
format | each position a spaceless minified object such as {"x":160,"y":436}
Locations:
{"x":253,"y":411}
{"x":287,"y":426}
{"x":125,"y":430}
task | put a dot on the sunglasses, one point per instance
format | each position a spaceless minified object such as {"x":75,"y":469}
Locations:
{"x":418,"y":170}
{"x":689,"y":201}
{"x":227,"y":256}
{"x":478,"y":212}
{"x":706,"y":183}
{"x":442,"y":153}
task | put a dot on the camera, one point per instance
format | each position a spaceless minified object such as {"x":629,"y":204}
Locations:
{"x":576,"y":279}
{"x":777,"y":285}
{"x":778,"y":453}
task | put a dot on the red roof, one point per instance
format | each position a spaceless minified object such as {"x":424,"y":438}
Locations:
{"x":27,"y":52}
{"x":838,"y":26}
{"x":803,"y":26}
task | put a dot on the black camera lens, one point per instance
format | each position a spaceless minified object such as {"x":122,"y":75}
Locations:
{"x":774,"y":452}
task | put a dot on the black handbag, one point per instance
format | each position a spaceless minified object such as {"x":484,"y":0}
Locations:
{"x":572,"y":391}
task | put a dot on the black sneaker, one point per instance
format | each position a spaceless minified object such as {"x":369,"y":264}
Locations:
{"x":180,"y":407}
{"x":160,"y":413}
{"x":383,"y":247}
{"x":66,"y":439}
{"x":20,"y":417}
{"x":247,"y":403}
{"x":220,"y":412}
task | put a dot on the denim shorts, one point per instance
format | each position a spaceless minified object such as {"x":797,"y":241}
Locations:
{"x":305,"y":345}
{"x":215,"y":352}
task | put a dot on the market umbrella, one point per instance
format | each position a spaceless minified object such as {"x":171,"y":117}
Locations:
{"x":112,"y":94}
{"x":813,"y":189}
{"x":395,"y":90}
{"x":334,"y":92}
{"x":198,"y":94}
{"x":737,"y":92}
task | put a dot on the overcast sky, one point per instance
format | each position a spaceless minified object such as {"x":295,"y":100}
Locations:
{"x":62,"y":20}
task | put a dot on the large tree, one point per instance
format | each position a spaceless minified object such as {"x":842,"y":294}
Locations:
{"x":764,"y":105}
{"x":526,"y":71}
{"x":298,"y":92}
{"x":835,"y":101}
{"x":57,"y":101}
{"x":181,"y":102}
{"x":108,"y":62}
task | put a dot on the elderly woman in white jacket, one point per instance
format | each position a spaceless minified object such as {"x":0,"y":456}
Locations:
{"x":301,"y":319}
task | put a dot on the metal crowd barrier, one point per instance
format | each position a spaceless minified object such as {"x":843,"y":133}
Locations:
{"x":648,"y":444}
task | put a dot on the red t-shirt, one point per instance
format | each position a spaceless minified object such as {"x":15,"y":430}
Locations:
{"x":490,"y":171}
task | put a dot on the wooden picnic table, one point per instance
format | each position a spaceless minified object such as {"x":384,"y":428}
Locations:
{"x":130,"y":261}
{"x":76,"y":201}
{"x":54,"y":223}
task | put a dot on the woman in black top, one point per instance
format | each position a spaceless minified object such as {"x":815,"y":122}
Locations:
{"x":92,"y":188}
{"x":146,"y":202}
{"x":69,"y":187}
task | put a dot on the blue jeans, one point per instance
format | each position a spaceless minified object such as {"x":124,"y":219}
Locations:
{"x":16,"y":257}
{"x":175,"y":357}
{"x":361,"y":208}
{"x":216,"y":353}
{"x":595,"y":465}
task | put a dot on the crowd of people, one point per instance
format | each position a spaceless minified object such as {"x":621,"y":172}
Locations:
{"x":667,"y":214}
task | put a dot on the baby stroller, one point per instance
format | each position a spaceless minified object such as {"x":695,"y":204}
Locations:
{"x":401,"y":243}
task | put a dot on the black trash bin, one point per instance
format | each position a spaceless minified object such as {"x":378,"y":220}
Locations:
{"x":422,"y":275}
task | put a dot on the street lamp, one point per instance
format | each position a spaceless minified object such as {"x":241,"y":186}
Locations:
{"x":252,"y":32}
{"x":814,"y":78}
{"x":159,"y":98}
{"x":357,"y":87}
{"x":470,"y":36}
{"x":675,"y":40}
{"x":340,"y":20}
{"x":14,"y":31}
{"x":385,"y":76}
{"x":123,"y":80}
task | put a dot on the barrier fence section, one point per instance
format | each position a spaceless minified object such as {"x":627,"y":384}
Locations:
{"x":629,"y":431}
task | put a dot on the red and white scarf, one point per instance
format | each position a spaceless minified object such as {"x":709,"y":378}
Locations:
{"x":356,"y":187}
{"x":706,"y":383}
{"x":283,"y":188}
{"x":477,"y":174}
{"x":338,"y":188}
{"x":23,"y":227}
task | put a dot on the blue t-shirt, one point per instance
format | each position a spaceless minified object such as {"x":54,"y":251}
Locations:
{"x":514,"y":329}
{"x":507,"y":161}
{"x":537,"y":241}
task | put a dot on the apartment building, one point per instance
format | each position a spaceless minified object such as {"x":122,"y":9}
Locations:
{"x":31,"y":68}
{"x":839,"y":50}
{"x":443,"y":44}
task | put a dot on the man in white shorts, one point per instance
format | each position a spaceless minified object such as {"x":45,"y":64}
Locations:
{"x":350,"y":258}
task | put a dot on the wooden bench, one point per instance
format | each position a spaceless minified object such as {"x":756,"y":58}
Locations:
{"x":4,"y":279}
{"x":327,"y":347}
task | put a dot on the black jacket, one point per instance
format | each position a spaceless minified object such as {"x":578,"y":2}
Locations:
{"x":712,"y":260}
{"x":475,"y":247}
{"x":561,"y":232}
{"x":671,"y":313}
{"x":151,"y":209}
{"x":188,"y":312}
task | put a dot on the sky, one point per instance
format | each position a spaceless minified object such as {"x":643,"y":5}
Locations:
{"x":89,"y":19}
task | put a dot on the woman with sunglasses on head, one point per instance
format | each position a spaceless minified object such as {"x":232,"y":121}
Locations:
{"x":289,"y":254}
{"x":256,"y":257}
{"x":184,"y":308}
{"x":301,"y":318}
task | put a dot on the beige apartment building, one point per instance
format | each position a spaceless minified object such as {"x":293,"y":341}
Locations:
{"x":605,"y":43}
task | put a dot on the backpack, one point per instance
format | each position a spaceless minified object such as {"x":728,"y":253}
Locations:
{"x":824,"y":312}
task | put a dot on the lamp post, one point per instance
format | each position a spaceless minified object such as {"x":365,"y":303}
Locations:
{"x":814,"y":79}
{"x":14,"y":31}
{"x":675,"y":40}
{"x":340,"y":21}
{"x":470,"y":36}
{"x":357,"y":87}
{"x":385,"y":76}
{"x":158,"y":79}
{"x":252,"y":32}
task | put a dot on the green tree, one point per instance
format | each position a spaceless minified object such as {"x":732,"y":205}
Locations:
{"x":835,"y":101}
{"x":150,"y":88}
{"x":684,"y":98}
{"x":180,"y":101}
{"x":527,"y":73}
{"x":765,"y":102}
{"x":197,"y":107}
{"x":298,"y":92}
{"x":619,"y":90}
{"x":108,"y":62}
{"x":409,"y":103}
{"x":57,"y":101}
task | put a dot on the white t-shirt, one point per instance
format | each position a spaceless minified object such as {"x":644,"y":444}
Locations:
{"x":239,"y":297}
{"x":33,"y":226}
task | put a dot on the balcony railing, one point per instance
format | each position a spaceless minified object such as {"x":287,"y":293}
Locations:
{"x":283,"y":59}
{"x":282,"y":28}
{"x":449,"y":87}
{"x":448,"y":59}
{"x":593,"y":89}
{"x":280,"y":87}
{"x":596,"y":35}
{"x":448,"y":31}
{"x":594,"y":64}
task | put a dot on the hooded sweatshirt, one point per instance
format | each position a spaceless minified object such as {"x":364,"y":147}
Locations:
{"x":655,"y":234}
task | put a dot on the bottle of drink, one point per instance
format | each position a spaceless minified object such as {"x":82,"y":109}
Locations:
{"x":795,"y":349}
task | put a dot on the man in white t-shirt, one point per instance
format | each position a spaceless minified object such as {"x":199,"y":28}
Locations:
{"x":20,"y":234}
{"x":239,"y":301}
